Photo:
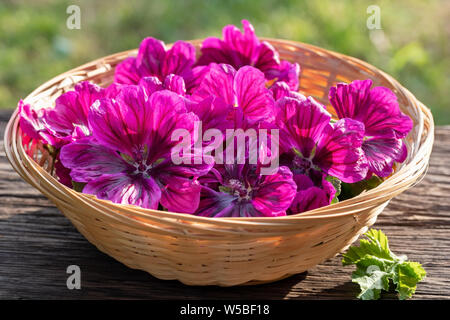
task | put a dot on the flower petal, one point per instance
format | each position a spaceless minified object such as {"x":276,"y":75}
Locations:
{"x":383,"y":113}
{"x":212,"y":112}
{"x":339,"y":151}
{"x":381,"y":153}
{"x":302,"y":124}
{"x":275,"y":193}
{"x":315,"y":178}
{"x":176,"y":84}
{"x":150,"y":57}
{"x":168,"y":113}
{"x":239,"y":49}
{"x":179,"y":59}
{"x":134,"y":125}
{"x":180,"y":194}
{"x":124,"y":189}
{"x":214,"y":50}
{"x":377,"y":108}
{"x":151,"y":85}
{"x":281,"y":89}
{"x":126,"y":72}
{"x":287,"y":72}
{"x":122,"y":124}
{"x":243,"y":46}
{"x":349,"y":100}
{"x":68,"y":120}
{"x":172,"y":83}
{"x":217,"y":82}
{"x":252,"y":96}
{"x":309,"y":199}
{"x":215,"y":204}
{"x":32,"y":124}
{"x":303,"y":181}
{"x":113,"y":90}
{"x":153,"y":60}
{"x":384,"y":122}
{"x":62,"y":173}
{"x":267,"y":58}
{"x":181,"y":191}
{"x":89,"y":160}
{"x":194,"y":77}
{"x":196,"y":168}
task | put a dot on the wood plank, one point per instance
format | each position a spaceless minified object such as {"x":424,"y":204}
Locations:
{"x":37,"y":243}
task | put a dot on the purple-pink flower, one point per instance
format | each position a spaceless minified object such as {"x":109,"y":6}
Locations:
{"x":240,"y":49}
{"x":213,"y":113}
{"x":241,"y":191}
{"x":308,"y":141}
{"x":243,"y":90}
{"x":313,"y":191}
{"x":127,"y":159}
{"x":32,"y":124}
{"x":281,"y":89}
{"x":68,"y":121}
{"x":385,"y":124}
{"x":154,"y":60}
{"x":172,"y":83}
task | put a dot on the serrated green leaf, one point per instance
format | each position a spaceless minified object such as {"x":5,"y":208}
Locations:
{"x":373,"y":261}
{"x":371,"y":281}
{"x":377,"y":245}
{"x":408,"y":275}
{"x":376,"y":265}
{"x":353,"y":255}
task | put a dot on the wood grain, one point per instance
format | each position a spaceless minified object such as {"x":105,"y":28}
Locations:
{"x":37,"y":244}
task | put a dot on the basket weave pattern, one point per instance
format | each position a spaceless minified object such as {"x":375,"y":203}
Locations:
{"x":227,"y":251}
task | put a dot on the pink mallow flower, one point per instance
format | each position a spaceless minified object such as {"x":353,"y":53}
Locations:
{"x":309,"y":141}
{"x":313,"y":191}
{"x":385,"y":125}
{"x":32,"y":125}
{"x":243,"y":90}
{"x":68,"y":121}
{"x":239,"y":190}
{"x":245,"y":49}
{"x":172,"y":83}
{"x":65,"y":123}
{"x":313,"y":149}
{"x":127,"y":159}
{"x":154,"y":60}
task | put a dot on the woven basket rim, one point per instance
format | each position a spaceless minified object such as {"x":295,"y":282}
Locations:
{"x":14,"y":148}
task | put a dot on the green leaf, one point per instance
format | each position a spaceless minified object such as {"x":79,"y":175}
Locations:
{"x":409,"y":274}
{"x":337,"y":186}
{"x":376,"y":265}
{"x":371,"y":281}
{"x":377,"y":245}
{"x":350,"y":190}
{"x":51,"y":150}
{"x":373,"y":261}
{"x":78,"y":186}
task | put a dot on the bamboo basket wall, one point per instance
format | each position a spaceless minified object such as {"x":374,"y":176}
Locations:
{"x":227,"y":251}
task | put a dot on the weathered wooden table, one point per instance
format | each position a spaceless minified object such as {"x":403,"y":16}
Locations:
{"x":37,"y":244}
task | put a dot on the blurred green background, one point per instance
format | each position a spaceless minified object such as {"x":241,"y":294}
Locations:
{"x":413,"y":46}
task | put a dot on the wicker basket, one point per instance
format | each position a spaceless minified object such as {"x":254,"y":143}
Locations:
{"x":227,"y":251}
